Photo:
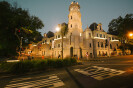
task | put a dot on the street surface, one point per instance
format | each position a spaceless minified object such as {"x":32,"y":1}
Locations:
{"x":114,"y":72}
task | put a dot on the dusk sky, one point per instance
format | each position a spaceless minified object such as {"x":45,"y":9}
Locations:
{"x":53,"y":12}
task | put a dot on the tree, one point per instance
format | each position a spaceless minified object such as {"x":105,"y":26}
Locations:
{"x":50,"y":34}
{"x":14,"y":24}
{"x":121,"y":27}
{"x":93,"y":26}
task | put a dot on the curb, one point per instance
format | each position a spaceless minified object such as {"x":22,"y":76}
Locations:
{"x":76,"y":81}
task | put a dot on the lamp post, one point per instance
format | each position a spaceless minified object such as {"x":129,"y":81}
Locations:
{"x":21,"y":45}
{"x":130,"y":38}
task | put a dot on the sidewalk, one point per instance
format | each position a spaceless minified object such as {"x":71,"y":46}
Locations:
{"x":104,"y":58}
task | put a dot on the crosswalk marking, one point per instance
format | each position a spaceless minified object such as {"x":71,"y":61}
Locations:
{"x":99,"y":73}
{"x":49,"y":81}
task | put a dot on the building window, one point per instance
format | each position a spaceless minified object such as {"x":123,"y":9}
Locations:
{"x":104,"y":36}
{"x":90,"y":35}
{"x":112,"y":38}
{"x":90,"y":45}
{"x":50,"y":47}
{"x":109,"y":38}
{"x":44,"y":52}
{"x":102,"y":44}
{"x":50,"y":40}
{"x":97,"y":35}
{"x":58,"y":36}
{"x":71,"y":17}
{"x":99,"y":53}
{"x":71,"y":25}
{"x":105,"y":46}
{"x":100,"y":28}
{"x":58,"y":45}
{"x":117,"y":46}
{"x":45,"y":41}
{"x":110,"y":46}
{"x":98,"y":44}
{"x":101,"y":35}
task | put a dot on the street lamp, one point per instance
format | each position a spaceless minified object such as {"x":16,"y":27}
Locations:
{"x":131,"y":34}
{"x":21,"y":45}
{"x":57,"y":29}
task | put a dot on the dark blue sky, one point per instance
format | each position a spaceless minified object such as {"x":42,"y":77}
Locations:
{"x":53,"y":12}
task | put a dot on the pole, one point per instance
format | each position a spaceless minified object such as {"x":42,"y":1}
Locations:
{"x":21,"y":45}
{"x":62,"y":44}
{"x":108,"y":46}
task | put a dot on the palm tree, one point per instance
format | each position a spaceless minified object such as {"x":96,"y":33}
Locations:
{"x":63,"y":31}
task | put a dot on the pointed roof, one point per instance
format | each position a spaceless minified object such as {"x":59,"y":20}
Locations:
{"x":87,"y":29}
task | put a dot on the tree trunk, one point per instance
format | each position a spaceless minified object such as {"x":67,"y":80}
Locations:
{"x":62,"y":46}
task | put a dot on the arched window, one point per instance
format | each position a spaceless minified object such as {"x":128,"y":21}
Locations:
{"x":71,"y":17}
{"x":71,"y":25}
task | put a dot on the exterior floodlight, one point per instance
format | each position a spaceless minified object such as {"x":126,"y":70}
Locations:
{"x":57,"y":29}
{"x":130,"y":34}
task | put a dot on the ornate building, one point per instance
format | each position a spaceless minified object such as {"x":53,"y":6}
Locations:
{"x":93,"y":41}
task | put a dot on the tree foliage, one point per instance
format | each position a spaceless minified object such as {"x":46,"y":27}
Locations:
{"x":64,"y":29}
{"x":50,"y":34}
{"x":14,"y":24}
{"x":121,"y":26}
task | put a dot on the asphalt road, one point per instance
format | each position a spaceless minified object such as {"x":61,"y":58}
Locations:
{"x":114,"y":72}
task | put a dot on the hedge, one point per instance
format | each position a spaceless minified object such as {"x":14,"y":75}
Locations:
{"x":36,"y":65}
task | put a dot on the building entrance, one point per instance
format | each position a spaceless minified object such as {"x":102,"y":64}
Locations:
{"x":71,"y":52}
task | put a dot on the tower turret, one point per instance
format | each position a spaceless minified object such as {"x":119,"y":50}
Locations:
{"x":74,"y":17}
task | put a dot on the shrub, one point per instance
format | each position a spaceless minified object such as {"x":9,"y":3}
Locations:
{"x":21,"y":67}
{"x":36,"y":65}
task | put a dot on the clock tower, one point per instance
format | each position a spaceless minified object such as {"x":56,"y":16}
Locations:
{"x":74,"y":23}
